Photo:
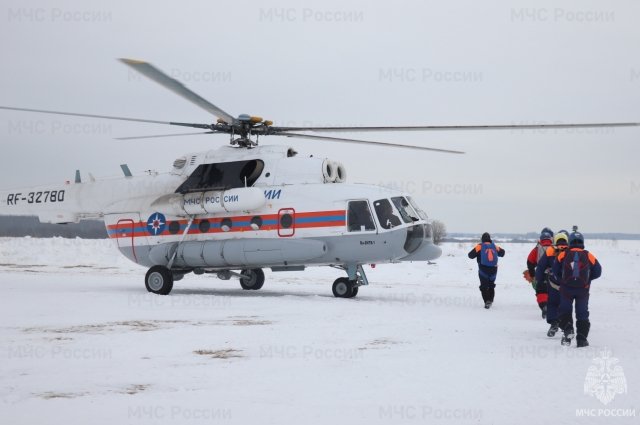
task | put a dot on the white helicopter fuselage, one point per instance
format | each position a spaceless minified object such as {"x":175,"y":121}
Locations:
{"x":233,"y":208}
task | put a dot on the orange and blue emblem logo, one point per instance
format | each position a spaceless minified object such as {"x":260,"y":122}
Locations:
{"x":156,"y":224}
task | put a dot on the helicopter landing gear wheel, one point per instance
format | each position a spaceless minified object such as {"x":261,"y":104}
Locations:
{"x":159,"y":280}
{"x":354,"y":292}
{"x":252,"y":279}
{"x":344,"y":288}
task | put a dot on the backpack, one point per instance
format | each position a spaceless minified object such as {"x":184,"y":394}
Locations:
{"x":542,"y":251}
{"x":489,"y":255}
{"x":549,"y":252}
{"x":576,"y":269}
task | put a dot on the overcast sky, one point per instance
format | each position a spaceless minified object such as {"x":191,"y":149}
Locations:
{"x":347,"y":63}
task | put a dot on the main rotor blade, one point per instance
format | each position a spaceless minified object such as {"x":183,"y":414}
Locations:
{"x":177,"y":87}
{"x":157,"y":136}
{"x":457,"y":127}
{"x":364,"y":142}
{"x":76,"y":114}
{"x":106,"y":117}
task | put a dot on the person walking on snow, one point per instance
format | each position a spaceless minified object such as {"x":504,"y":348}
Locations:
{"x":543,"y":273}
{"x":546,"y":240}
{"x":575,"y":268}
{"x":486,"y":253}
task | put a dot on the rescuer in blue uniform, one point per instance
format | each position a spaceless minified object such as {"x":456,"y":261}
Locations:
{"x":487,"y":253}
{"x":574,"y":269}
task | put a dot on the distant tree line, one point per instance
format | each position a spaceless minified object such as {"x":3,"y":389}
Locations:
{"x":532,"y":237}
{"x":30,"y":226}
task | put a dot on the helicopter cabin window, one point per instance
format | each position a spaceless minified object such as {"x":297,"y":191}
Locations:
{"x":256,"y":222}
{"x":226,"y":224}
{"x":385,"y":213}
{"x":359,"y":218}
{"x":223,"y":176}
{"x":406,"y":212}
{"x":204,"y":226}
{"x":286,"y":221}
{"x":174,"y":227}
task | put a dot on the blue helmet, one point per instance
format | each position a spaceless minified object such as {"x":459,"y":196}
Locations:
{"x":546,"y":234}
{"x":576,"y":239}
{"x":548,"y":230}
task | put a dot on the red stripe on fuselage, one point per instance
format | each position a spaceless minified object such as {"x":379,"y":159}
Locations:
{"x":121,"y":230}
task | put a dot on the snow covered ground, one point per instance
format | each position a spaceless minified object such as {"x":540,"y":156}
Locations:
{"x":81,"y":341}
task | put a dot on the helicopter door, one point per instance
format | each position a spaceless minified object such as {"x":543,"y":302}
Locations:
{"x":126,"y":230}
{"x":286,"y":222}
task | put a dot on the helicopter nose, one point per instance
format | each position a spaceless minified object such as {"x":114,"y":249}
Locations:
{"x":428,"y":251}
{"x":432,"y":251}
{"x":415,"y":238}
{"x":419,"y":246}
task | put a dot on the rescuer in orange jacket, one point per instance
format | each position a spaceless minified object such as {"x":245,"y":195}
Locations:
{"x":544,"y":273}
{"x":536,"y":254}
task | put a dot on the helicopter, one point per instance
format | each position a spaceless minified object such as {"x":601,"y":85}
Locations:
{"x":236,"y":210}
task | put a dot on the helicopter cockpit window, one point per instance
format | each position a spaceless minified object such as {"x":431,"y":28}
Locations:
{"x":223,"y":176}
{"x":385,"y":213}
{"x":406,"y":212}
{"x":428,"y":231}
{"x":359,"y":218}
{"x":421,"y":213}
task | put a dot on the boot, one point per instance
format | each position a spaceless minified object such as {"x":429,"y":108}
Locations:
{"x":486,"y":298}
{"x":490,"y":293}
{"x":566,"y":324}
{"x":567,"y":337}
{"x":543,"y":308}
{"x":553,"y":329}
{"x":583,"y":327}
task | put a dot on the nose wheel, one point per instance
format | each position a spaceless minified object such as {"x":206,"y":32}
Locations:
{"x":159,"y":280}
{"x":347,"y":287}
{"x":344,"y":288}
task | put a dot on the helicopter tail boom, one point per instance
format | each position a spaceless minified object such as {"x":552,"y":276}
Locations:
{"x":51,"y":204}
{"x":72,"y":202}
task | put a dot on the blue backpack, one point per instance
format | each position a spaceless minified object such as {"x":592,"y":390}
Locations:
{"x":489,"y":254}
